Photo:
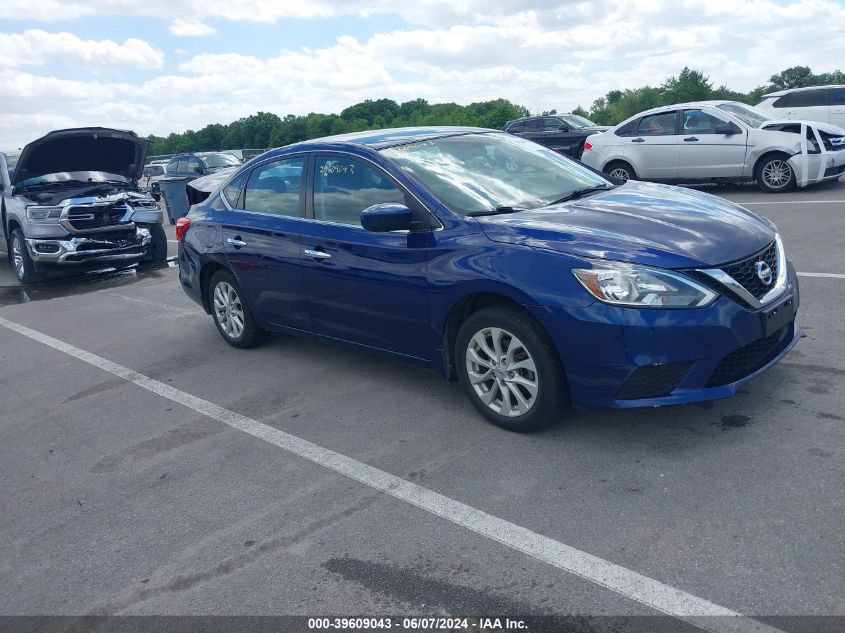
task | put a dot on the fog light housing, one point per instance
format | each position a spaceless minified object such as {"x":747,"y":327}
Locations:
{"x":45,"y":248}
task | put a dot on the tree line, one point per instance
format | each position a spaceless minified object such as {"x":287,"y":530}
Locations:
{"x":265,"y":129}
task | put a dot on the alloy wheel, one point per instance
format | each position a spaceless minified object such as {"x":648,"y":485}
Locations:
{"x":228,"y":310}
{"x":502,"y":372}
{"x":17,"y":257}
{"x":777,"y":174}
{"x":620,"y":173}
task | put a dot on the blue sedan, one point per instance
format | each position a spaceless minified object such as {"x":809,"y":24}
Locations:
{"x":529,"y":278}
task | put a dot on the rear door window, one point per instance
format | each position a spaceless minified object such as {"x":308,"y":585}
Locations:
{"x":661,"y":124}
{"x":274,"y":188}
{"x":803,"y":99}
{"x":837,"y":96}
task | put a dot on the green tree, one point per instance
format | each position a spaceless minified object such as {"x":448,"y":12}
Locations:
{"x":795,"y":77}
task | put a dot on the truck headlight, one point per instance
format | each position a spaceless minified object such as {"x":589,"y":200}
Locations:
{"x":43,"y":214}
{"x":623,"y":284}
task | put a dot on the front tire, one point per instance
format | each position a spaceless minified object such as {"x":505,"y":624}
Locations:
{"x":509,"y":369}
{"x":620,"y":172}
{"x":231,"y":314}
{"x":775,"y":174}
{"x":21,"y":261}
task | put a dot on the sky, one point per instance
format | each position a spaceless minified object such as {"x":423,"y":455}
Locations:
{"x":161,"y":66}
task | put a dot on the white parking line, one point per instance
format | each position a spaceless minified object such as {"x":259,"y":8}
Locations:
{"x":827,"y":275}
{"x":173,"y":241}
{"x":647,"y":591}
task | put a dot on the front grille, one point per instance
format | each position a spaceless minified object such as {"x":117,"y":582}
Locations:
{"x":747,"y":359}
{"x":653,"y":381}
{"x":86,"y":218}
{"x":745,"y":271}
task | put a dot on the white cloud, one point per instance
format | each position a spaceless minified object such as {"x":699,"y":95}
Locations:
{"x":547,"y":55}
{"x":190,"y":28}
{"x":35,"y":47}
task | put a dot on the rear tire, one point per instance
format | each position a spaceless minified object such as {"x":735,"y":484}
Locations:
{"x":231,"y":314}
{"x":21,"y":261}
{"x":509,"y":369}
{"x":619,"y":171}
{"x":774,"y":174}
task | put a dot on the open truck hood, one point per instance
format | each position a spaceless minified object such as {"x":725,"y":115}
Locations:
{"x":118,"y":152}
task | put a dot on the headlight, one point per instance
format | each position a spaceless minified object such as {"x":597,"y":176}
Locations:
{"x":623,"y":284}
{"x":43,"y":214}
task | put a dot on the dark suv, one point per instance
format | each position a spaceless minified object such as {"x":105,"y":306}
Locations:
{"x":564,"y":133}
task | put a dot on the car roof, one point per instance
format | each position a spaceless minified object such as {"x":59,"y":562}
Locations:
{"x":780,"y":93}
{"x":390,"y":137}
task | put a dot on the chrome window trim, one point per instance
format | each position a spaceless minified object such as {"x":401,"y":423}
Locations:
{"x":777,"y":290}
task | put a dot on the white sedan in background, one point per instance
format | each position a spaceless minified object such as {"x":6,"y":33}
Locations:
{"x":718,"y":141}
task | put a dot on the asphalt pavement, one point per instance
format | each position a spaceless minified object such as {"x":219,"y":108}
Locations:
{"x":135,"y":492}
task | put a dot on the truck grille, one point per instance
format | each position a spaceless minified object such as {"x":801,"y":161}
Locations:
{"x":745,"y":272}
{"x":86,"y":218}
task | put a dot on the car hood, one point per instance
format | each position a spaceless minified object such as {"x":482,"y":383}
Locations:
{"x":650,"y":224}
{"x":83,"y":149}
{"x":595,"y":129}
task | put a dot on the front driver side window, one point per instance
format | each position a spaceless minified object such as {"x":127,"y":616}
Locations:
{"x":700,"y":122}
{"x":662,"y":124}
{"x":343,"y":187}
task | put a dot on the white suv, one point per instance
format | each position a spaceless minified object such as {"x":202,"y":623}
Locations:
{"x":814,"y":103}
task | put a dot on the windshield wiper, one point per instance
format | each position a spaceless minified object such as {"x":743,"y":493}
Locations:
{"x":580,"y":193}
{"x":496,"y":211}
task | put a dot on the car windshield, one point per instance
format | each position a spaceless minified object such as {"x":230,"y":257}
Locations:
{"x":472,"y":173}
{"x":577,"y":121}
{"x":74,"y":177}
{"x":220,"y":160}
{"x":745,"y":113}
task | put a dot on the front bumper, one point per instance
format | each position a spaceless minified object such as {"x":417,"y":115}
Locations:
{"x":628,"y":358}
{"x":94,"y":249}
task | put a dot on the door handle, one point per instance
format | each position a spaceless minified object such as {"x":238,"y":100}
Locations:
{"x":237,"y":242}
{"x":690,"y":139}
{"x":317,"y":254}
{"x":638,"y":140}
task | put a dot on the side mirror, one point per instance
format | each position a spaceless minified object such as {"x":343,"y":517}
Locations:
{"x":727,"y":128}
{"x":383,"y":218}
{"x":563,"y":127}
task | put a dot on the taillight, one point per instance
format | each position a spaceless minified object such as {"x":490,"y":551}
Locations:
{"x":587,"y":145}
{"x":182,"y":225}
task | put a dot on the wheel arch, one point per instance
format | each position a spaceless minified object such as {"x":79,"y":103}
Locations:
{"x":467,"y":305}
{"x":206,"y":273}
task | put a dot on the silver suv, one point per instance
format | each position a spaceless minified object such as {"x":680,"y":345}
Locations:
{"x":71,"y":200}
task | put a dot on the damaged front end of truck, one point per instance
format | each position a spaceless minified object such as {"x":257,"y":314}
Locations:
{"x":73,"y":201}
